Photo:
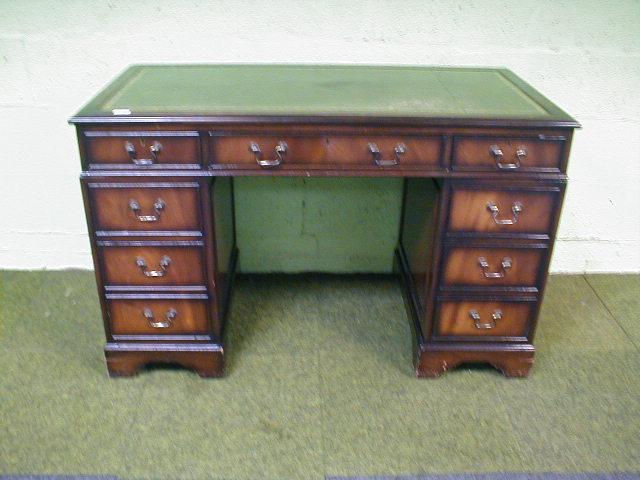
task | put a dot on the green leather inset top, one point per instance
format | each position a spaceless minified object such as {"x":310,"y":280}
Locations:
{"x":320,"y":90}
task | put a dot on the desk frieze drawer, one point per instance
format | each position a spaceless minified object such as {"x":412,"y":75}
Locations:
{"x":289,"y":151}
{"x":132,"y":149}
{"x":487,"y":267}
{"x":159,"y":316}
{"x":129,"y":265}
{"x":504,"y":211}
{"x":477,"y":320}
{"x":145,"y":206}
{"x":540,"y":153}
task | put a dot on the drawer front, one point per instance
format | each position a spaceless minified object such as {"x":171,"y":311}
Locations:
{"x":308,"y":151}
{"x":508,"y":154}
{"x":478,"y":319}
{"x":502,"y":211}
{"x":114,"y":149}
{"x":145,"y":206}
{"x":152,"y":265}
{"x":488,"y":267}
{"x":158,"y":317}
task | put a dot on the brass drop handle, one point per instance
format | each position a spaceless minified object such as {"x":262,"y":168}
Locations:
{"x":164,"y":265}
{"x":484,"y":265}
{"x":496,"y":151}
{"x":480,"y":325}
{"x":516,"y":208}
{"x":158,"y":206}
{"x":281,"y":150}
{"x":400,"y":149}
{"x":170,"y":315}
{"x":154,"y":149}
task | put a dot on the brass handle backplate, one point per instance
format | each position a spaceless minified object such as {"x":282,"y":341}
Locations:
{"x":158,"y":206}
{"x":498,"y":156}
{"x":484,"y":265}
{"x":164,"y":265}
{"x":170,"y":316}
{"x":154,"y":149}
{"x":480,"y":325}
{"x":281,"y":150}
{"x":399,"y":150}
{"x":516,"y":208}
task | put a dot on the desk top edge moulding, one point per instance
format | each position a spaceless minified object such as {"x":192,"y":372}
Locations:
{"x":483,"y":157}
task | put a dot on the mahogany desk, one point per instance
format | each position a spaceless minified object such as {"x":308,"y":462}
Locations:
{"x":483,"y":156}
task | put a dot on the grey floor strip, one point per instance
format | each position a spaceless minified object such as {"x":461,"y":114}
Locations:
{"x":503,"y":476}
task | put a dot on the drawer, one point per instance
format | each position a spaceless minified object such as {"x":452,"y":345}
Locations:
{"x":145,"y":206}
{"x":375,"y":151}
{"x":508,"y":154}
{"x":489,"y":267}
{"x":477,"y":319}
{"x":127,"y":265}
{"x":158,"y":317}
{"x":502,"y":211}
{"x":137,"y":149}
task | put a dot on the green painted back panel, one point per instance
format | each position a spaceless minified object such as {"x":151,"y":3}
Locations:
{"x":317,"y":224}
{"x":176,"y":90}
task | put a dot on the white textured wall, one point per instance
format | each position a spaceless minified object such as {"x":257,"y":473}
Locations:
{"x":54,"y":56}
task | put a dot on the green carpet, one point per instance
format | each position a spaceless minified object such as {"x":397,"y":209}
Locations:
{"x":319,"y":383}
